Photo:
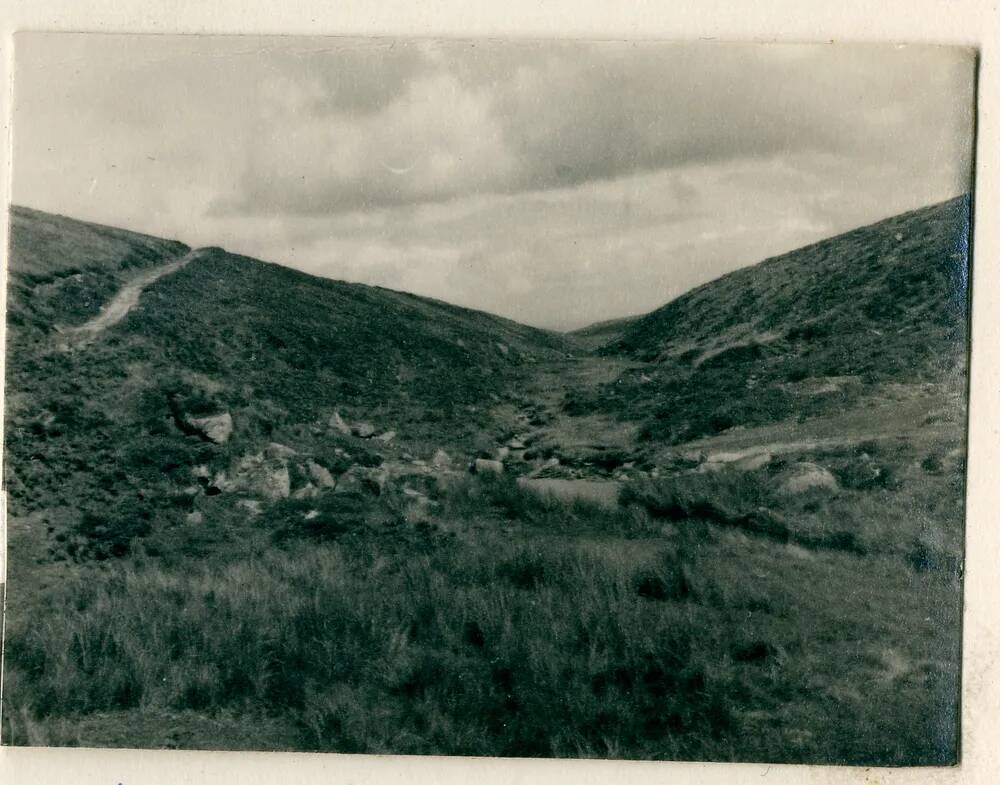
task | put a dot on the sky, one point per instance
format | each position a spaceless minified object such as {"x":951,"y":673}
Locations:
{"x":555,"y":183}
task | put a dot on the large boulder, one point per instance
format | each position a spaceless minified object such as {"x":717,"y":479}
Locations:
{"x":259,"y":474}
{"x":363,"y":430}
{"x":216,"y":428}
{"x":441,"y":460}
{"x":804,"y":476}
{"x":486,"y":466}
{"x":320,"y":475}
{"x":279,"y":452}
{"x":337,"y":423}
{"x":362,"y":479}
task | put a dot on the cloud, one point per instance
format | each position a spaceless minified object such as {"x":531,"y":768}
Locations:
{"x":493,"y":119}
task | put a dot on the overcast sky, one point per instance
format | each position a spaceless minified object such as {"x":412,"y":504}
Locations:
{"x":557,"y":184}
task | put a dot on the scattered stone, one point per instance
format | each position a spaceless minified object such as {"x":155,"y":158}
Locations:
{"x":337,"y":423}
{"x":802,"y":477}
{"x":279,"y":452}
{"x":320,"y":475}
{"x":360,"y":479}
{"x":363,"y":430}
{"x":252,"y":506}
{"x":217,"y":428}
{"x":551,"y":463}
{"x":486,"y":466}
{"x":307,"y":491}
{"x":753,"y":462}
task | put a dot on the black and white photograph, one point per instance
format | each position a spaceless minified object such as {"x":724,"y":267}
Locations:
{"x":488,"y":397}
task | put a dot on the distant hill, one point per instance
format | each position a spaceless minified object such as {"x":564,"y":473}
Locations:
{"x":883,"y":303}
{"x":600,"y":333}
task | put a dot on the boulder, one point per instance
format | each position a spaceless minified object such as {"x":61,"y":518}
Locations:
{"x":320,"y":475}
{"x":337,"y":423}
{"x":363,"y":430}
{"x":252,"y":506}
{"x":194,"y":517}
{"x":549,"y":465}
{"x":274,"y":482}
{"x":258,"y":474}
{"x":802,"y":477}
{"x":279,"y":452}
{"x":307,"y":491}
{"x":516,"y":444}
{"x":386,"y":437}
{"x":502,"y":452}
{"x":441,"y":460}
{"x":486,"y":466}
{"x":361,"y":479}
{"x":216,"y":428}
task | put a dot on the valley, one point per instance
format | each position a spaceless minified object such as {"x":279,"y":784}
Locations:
{"x":250,"y":508}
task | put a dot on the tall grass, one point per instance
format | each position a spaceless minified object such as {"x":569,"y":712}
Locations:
{"x":511,"y":642}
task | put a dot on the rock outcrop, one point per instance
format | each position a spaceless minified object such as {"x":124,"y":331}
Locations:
{"x":216,"y":428}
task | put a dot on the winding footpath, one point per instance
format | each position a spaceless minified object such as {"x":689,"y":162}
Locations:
{"x":126,"y":299}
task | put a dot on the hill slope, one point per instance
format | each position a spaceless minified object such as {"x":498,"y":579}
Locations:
{"x":804,"y":333}
{"x":276,"y":350}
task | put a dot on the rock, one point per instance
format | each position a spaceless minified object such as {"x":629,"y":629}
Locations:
{"x":386,"y":437}
{"x":504,"y":349}
{"x":310,"y":515}
{"x":194,"y":517}
{"x":275,"y":482}
{"x":363,"y":430}
{"x":551,"y":463}
{"x":217,"y":428}
{"x":486,"y":466}
{"x":802,"y":477}
{"x":201,"y":472}
{"x":441,"y":460}
{"x":753,"y":462}
{"x":279,"y":452}
{"x":360,"y":479}
{"x":320,"y":475}
{"x":502,"y":452}
{"x":516,"y":444}
{"x":257,"y":474}
{"x":252,"y":506}
{"x":337,"y":423}
{"x":307,"y":491}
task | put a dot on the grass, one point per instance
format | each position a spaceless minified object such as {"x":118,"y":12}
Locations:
{"x":474,"y":632}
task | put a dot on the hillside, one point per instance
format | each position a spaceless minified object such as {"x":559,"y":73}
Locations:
{"x":280,"y":352}
{"x":805,"y":334}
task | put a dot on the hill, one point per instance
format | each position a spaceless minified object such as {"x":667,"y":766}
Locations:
{"x":277,"y":351}
{"x":802,"y":334}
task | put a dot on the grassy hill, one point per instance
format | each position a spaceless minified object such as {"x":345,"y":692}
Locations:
{"x":90,"y":427}
{"x":802,"y":334}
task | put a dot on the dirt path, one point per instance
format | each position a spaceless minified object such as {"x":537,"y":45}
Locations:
{"x":126,"y":299}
